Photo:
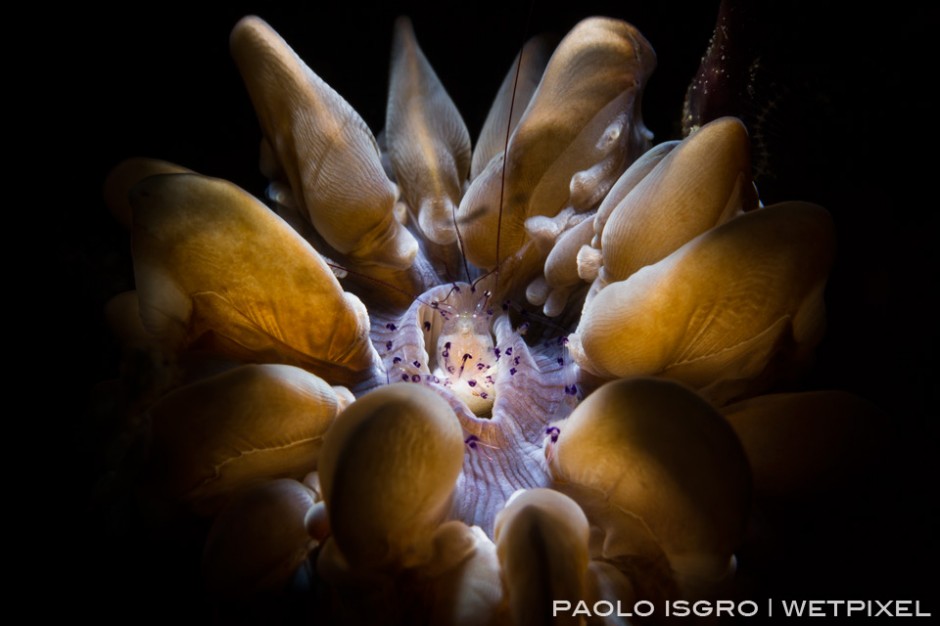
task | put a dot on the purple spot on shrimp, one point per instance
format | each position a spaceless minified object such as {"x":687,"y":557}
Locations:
{"x":512,"y":371}
{"x":396,"y":360}
{"x":447,"y":346}
{"x":388,"y":345}
{"x":450,"y":368}
{"x":553,"y":432}
{"x":496,"y":352}
{"x":509,"y":351}
{"x":472,"y":383}
{"x":390,"y":326}
{"x":561,"y":361}
{"x":416,"y":363}
{"x":427,"y":326}
{"x":489,"y":379}
{"x":415,"y":378}
{"x":515,"y":361}
{"x":481,"y":366}
{"x":467,"y":356}
{"x":404,"y":377}
{"x":484,"y":395}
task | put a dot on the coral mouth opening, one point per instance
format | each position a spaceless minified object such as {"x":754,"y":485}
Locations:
{"x":465,"y":357}
{"x":445,"y":339}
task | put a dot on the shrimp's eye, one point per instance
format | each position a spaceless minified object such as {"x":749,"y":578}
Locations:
{"x":553,"y":432}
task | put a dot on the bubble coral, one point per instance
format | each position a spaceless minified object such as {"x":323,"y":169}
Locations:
{"x":372,"y":443}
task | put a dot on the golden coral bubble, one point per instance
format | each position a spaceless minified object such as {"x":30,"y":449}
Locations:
{"x":417,"y":477}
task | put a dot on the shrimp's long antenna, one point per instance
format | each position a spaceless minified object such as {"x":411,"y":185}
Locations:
{"x":466,"y":266}
{"x":502,"y":184}
{"x":512,"y":104}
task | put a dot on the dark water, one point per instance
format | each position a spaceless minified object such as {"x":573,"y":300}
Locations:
{"x":843,"y":118}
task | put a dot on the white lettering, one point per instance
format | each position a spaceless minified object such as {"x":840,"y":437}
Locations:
{"x":560,"y":605}
{"x":646,"y":604}
{"x":751,"y":605}
{"x":724,"y":606}
{"x":679,"y":608}
{"x":745,"y":608}
{"x":705,"y":608}
{"x":794,"y":608}
{"x":855,"y":606}
{"x":902,"y":608}
{"x":883,"y":608}
{"x":597,"y":610}
{"x":702,"y":608}
{"x":581,"y":608}
{"x":842,"y":608}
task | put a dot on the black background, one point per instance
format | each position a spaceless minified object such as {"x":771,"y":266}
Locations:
{"x":848,"y":125}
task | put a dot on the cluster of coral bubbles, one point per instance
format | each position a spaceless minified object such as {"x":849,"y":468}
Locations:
{"x":422,"y":450}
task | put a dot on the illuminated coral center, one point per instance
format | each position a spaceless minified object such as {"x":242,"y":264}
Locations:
{"x":467,"y":359}
{"x":446,"y":339}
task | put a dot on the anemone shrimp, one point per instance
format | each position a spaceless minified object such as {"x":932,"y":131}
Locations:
{"x":457,"y":341}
